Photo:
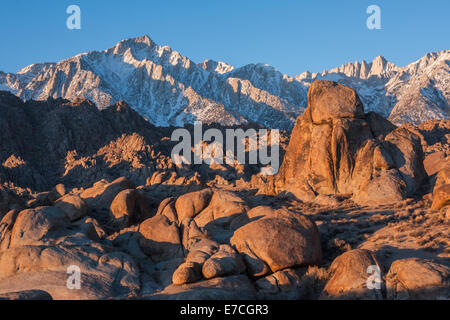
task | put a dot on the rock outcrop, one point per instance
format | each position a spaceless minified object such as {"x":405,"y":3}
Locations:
{"x":40,"y":246}
{"x":336,"y":149}
{"x":350,"y":274}
{"x":418,"y":279}
{"x":441,"y":192}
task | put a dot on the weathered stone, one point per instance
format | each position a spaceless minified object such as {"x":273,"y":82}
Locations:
{"x":167,"y":208}
{"x":73,"y":207}
{"x":414,"y":278}
{"x":9,"y":201}
{"x":385,"y":187}
{"x":222,"y":209}
{"x":100,"y":196}
{"x":285,"y":284}
{"x":26,"y":295}
{"x":61,"y":189}
{"x":280,"y":241}
{"x":339,"y":153}
{"x":441,"y":192}
{"x":225,"y":262}
{"x":188,"y":272}
{"x":160,"y":239}
{"x":406,"y":152}
{"x":441,"y":197}
{"x":128,"y":207}
{"x":330,"y":100}
{"x":229,"y":288}
{"x":6,"y":226}
{"x":33,"y":225}
{"x":103,"y":275}
{"x":191,"y":204}
{"x":350,"y":273}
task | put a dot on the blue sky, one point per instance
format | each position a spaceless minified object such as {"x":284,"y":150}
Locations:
{"x":291,"y":35}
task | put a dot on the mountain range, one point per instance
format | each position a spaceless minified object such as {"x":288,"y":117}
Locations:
{"x":169,"y":89}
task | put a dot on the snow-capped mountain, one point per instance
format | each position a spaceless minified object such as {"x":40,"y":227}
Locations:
{"x":415,"y":93}
{"x":170,"y":89}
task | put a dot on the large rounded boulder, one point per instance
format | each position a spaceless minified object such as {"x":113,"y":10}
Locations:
{"x":160,"y":239}
{"x":128,"y":207}
{"x":331,"y":100}
{"x":276,"y":241}
{"x":351,"y":273}
{"x":191,"y":204}
{"x":415,"y":278}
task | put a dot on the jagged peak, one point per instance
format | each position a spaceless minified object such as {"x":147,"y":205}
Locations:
{"x":219,"y":67}
{"x":379,"y":59}
{"x":145,"y":39}
{"x":379,"y":67}
{"x":35,"y":68}
{"x":259,"y":67}
{"x":305,"y":75}
{"x":431,"y":57}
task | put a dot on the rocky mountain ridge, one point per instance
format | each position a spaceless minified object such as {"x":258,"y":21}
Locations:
{"x":168,"y":88}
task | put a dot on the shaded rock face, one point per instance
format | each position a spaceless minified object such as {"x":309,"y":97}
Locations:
{"x":33,"y":225}
{"x":46,"y":143}
{"x":349,"y":276}
{"x":191,"y":204}
{"x":435,"y":135}
{"x":336,"y":149}
{"x":288,"y":284}
{"x":405,"y":150}
{"x":73,"y":206}
{"x":38,"y":246}
{"x":60,"y":141}
{"x":225,"y":262}
{"x":415,"y":278}
{"x":26,"y":295}
{"x":9,"y":201}
{"x":103,"y":274}
{"x":229,"y":288}
{"x":441,"y":192}
{"x":128,"y":207}
{"x":160,"y":239}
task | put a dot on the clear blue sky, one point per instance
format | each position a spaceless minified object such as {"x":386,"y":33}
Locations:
{"x":291,"y":35}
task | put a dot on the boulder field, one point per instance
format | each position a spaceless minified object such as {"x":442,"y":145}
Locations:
{"x":360,"y":209}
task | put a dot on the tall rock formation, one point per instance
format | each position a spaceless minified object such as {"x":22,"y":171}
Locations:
{"x":336,"y":149}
